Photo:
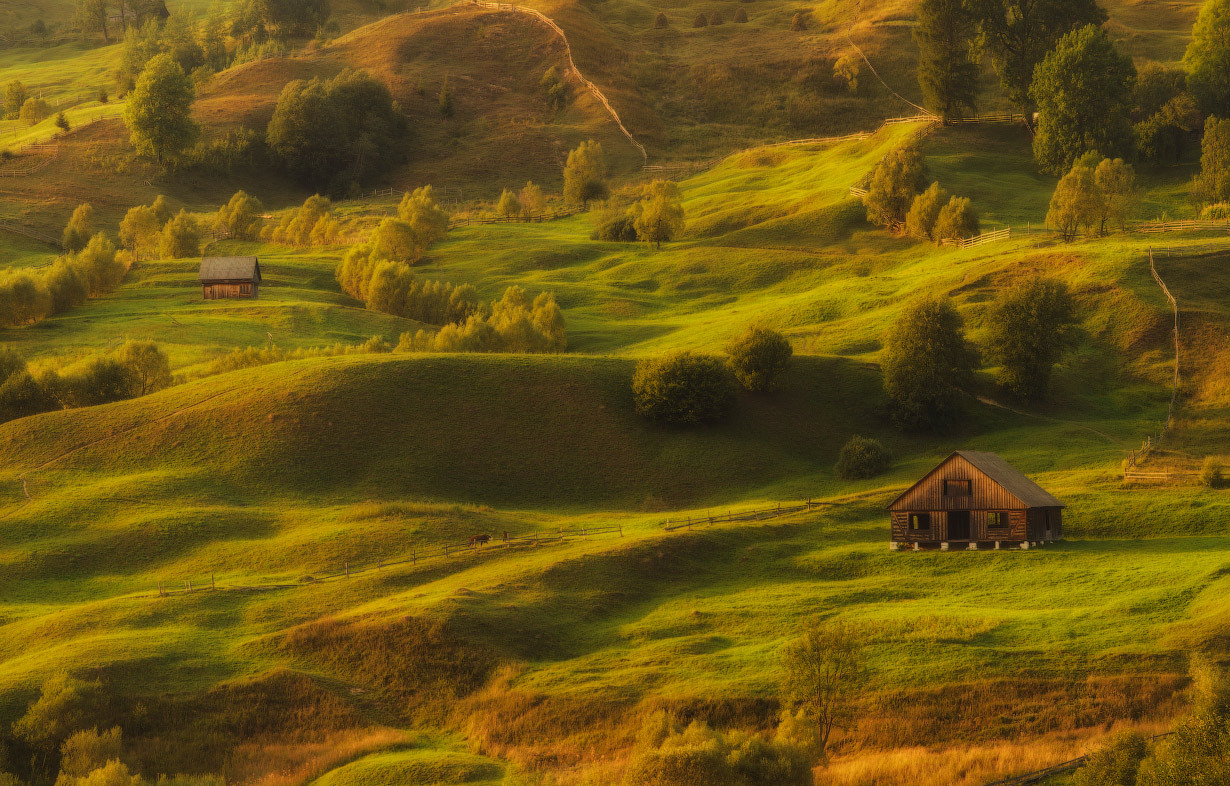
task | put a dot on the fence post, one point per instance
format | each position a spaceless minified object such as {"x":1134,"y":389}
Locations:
{"x":213,"y":584}
{"x":346,"y":564}
{"x":621,"y":530}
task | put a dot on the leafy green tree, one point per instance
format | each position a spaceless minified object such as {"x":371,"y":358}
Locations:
{"x":862,"y":458}
{"x":1207,"y":59}
{"x":80,"y":228}
{"x":1117,"y":181}
{"x":179,"y":41}
{"x":1077,"y":202}
{"x":162,"y":210}
{"x":509,"y":205}
{"x":62,"y":122}
{"x":66,"y":286}
{"x":658,"y":217}
{"x":1019,"y":33}
{"x":758,"y":358}
{"x":180,"y":238}
{"x":113,"y":773}
{"x":426,"y":218}
{"x":683,"y":388}
{"x":1163,"y":137}
{"x":91,"y":17}
{"x":1156,"y":85}
{"x":956,"y":220}
{"x":446,"y":101}
{"x":98,"y":265}
{"x":1084,"y":94}
{"x":396,"y":240}
{"x":87,"y":750}
{"x":338,"y":132}
{"x":64,"y":705}
{"x":240,"y":218}
{"x":927,"y":364}
{"x":15,"y":96}
{"x":895,"y":183}
{"x":159,"y":111}
{"x":555,"y":87}
{"x":1211,"y":473}
{"x":947,"y":68}
{"x":1030,"y":327}
{"x":141,"y":44}
{"x":139,"y":230}
{"x":147,"y":365}
{"x":920,"y":221}
{"x":1212,"y":184}
{"x":531,"y":199}
{"x":34,"y":111}
{"x":585,"y":174}
{"x":825,"y":671}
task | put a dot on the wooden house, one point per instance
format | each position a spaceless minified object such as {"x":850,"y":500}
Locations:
{"x":975,"y":500}
{"x":230,"y":277}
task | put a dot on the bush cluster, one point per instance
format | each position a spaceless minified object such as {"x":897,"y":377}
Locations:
{"x":513,"y":323}
{"x":683,"y":387}
{"x":28,"y":296}
{"x":389,"y":287}
{"x":1096,"y":194}
{"x":862,"y":458}
{"x":311,"y":224}
{"x":657,"y":217}
{"x":758,"y":358}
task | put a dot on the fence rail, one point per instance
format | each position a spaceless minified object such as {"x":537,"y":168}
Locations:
{"x":670,"y":525}
{"x":1134,"y":457}
{"x":978,"y":240}
{"x":532,"y":218}
{"x":1184,"y":226}
{"x":46,"y":153}
{"x":18,"y":229}
{"x":1057,"y":769}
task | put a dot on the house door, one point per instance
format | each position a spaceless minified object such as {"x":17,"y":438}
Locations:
{"x":958,"y":525}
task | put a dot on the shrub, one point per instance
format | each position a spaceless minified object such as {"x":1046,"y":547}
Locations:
{"x":148,"y":367}
{"x":180,"y":238}
{"x":140,"y":229}
{"x":658,"y":217}
{"x":395,"y":240}
{"x":87,"y":750}
{"x":1211,"y":473}
{"x":758,"y":358}
{"x":531,"y":199}
{"x":99,"y":266}
{"x":23,"y":298}
{"x":312,"y":223}
{"x":862,"y":458}
{"x":585,"y":174}
{"x":1216,"y":212}
{"x":34,"y":111}
{"x":556,"y":89}
{"x":668,"y":756}
{"x":80,"y":228}
{"x":509,"y":205}
{"x":1030,"y":327}
{"x":389,"y":287}
{"x":660,"y":22}
{"x":619,"y":227}
{"x":62,"y":122}
{"x":956,"y":221}
{"x":924,"y":212}
{"x":740,"y":16}
{"x":716,"y":19}
{"x":701,"y":20}
{"x":1115,"y":764}
{"x":240,"y":218}
{"x":683,"y":387}
{"x":426,"y":218}
{"x":846,"y":72}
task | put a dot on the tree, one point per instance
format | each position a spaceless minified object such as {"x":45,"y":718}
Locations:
{"x":66,"y":286}
{"x":895,"y":182}
{"x":1207,"y":59}
{"x":825,"y":670}
{"x":1212,"y":184}
{"x":862,"y":458}
{"x":509,"y":205}
{"x":927,"y":364}
{"x":658,"y":217}
{"x":240,"y":218}
{"x":80,"y":228}
{"x":141,"y":45}
{"x":180,"y":238}
{"x":531,"y":199}
{"x":1211,"y":473}
{"x":113,"y":773}
{"x":1163,"y":137}
{"x":426,"y":218}
{"x":446,"y":99}
{"x":396,"y":240}
{"x":683,"y":388}
{"x":147,"y":365}
{"x":91,"y":16}
{"x":87,"y":750}
{"x":1084,"y":94}
{"x":1156,"y":85}
{"x":920,"y":221}
{"x":335,"y":133}
{"x":1077,"y":202}
{"x":162,"y":210}
{"x":956,"y":220}
{"x":64,"y":706}
{"x":1198,"y":749}
{"x":159,"y":111}
{"x":1030,"y":327}
{"x":585,"y":174}
{"x":1019,"y":33}
{"x":62,"y":122}
{"x":15,"y":96}
{"x":758,"y":358}
{"x":34,"y":111}
{"x":947,"y":69}
{"x":98,"y":265}
{"x":1116,"y":180}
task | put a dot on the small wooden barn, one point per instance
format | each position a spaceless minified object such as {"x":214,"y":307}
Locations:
{"x":230,"y":277}
{"x":975,"y":500}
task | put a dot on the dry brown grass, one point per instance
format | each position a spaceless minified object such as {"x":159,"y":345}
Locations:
{"x":295,"y":763}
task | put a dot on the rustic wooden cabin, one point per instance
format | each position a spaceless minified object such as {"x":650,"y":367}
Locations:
{"x":230,"y":277}
{"x":975,"y":500}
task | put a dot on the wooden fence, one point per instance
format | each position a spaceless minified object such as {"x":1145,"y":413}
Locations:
{"x":1130,"y":466}
{"x":18,"y":229}
{"x":978,"y":240}
{"x":1037,"y":776}
{"x":46,"y":153}
{"x":415,"y":556}
{"x":520,"y":219}
{"x":670,"y":525}
{"x":1183,"y":226}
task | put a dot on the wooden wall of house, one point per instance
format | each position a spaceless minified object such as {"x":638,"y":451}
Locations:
{"x":1037,"y":524}
{"x":230,"y":291}
{"x":1017,"y":530}
{"x":929,"y":494}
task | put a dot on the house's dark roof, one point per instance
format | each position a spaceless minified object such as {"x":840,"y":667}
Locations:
{"x":1009,"y":477}
{"x":230,"y":269}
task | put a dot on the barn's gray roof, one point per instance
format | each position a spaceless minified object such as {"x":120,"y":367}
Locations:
{"x":1011,"y":478}
{"x":230,"y":269}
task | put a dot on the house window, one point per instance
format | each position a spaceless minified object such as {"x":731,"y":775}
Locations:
{"x":920,"y":521}
{"x":957,"y":488}
{"x":997,"y":519}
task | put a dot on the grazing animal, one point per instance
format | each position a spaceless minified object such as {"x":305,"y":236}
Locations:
{"x":479,"y":540}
